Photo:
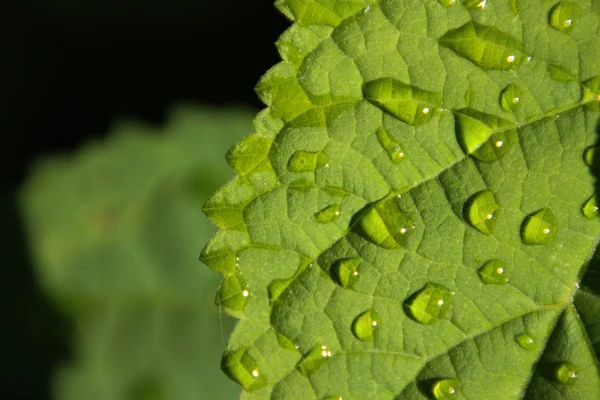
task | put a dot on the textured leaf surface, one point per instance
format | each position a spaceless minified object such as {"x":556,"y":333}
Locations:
{"x":449,"y":138}
{"x":114,"y":230}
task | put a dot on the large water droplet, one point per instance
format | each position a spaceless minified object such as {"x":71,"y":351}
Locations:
{"x":493,"y":272}
{"x":304,"y":161}
{"x":589,"y":155}
{"x":526,"y":341}
{"x":430,"y":304}
{"x":511,"y":97}
{"x":539,"y":227}
{"x":385,"y":225}
{"x":328,"y":214}
{"x":481,"y":212}
{"x":345,"y":271}
{"x":233,"y":294}
{"x":243,"y":369}
{"x":407,"y":103}
{"x":566,"y":373}
{"x":496,"y":146}
{"x":363,"y":326}
{"x":446,"y":389}
{"x":313,"y":360}
{"x":391,"y":145}
{"x":564,"y":16}
{"x":590,"y":208}
{"x":484,"y":45}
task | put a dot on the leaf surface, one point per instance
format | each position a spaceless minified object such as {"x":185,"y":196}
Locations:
{"x":449,"y":138}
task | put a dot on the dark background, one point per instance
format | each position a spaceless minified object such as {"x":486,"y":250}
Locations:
{"x":68,"y":69}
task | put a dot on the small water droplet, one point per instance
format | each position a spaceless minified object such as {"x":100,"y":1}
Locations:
{"x":481,"y":212}
{"x":430,"y":304}
{"x":539,"y":227}
{"x":363,"y":326}
{"x":385,"y":225}
{"x":391,"y":146}
{"x":243,"y":369}
{"x":526,"y":341}
{"x":564,"y":16}
{"x":566,"y":373}
{"x":233,"y":294}
{"x":304,"y":161}
{"x":329,"y":214}
{"x":589,"y":154}
{"x":446,"y":389}
{"x":408,"y":103}
{"x":510,"y":97}
{"x":590,"y":208}
{"x":493,"y":272}
{"x":344,"y":271}
{"x":313,"y":360}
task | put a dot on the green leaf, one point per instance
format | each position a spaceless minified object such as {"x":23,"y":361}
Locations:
{"x":457,"y":140}
{"x":114,"y":232}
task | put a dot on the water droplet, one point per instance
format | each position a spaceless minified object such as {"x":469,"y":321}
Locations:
{"x":407,"y":103}
{"x":243,"y":369}
{"x":564,"y":16}
{"x":304,"y":161}
{"x":589,"y":154}
{"x":446,"y":389}
{"x":526,"y":341}
{"x":590,"y":208}
{"x":345,"y":271}
{"x":496,"y":146}
{"x":539,"y":227}
{"x":493,"y":272}
{"x":592,"y":93}
{"x":333,"y":398}
{"x":328,"y":214}
{"x":484,"y":45}
{"x":313,"y":360}
{"x":566,"y":373}
{"x":233,"y":294}
{"x":385,"y":225}
{"x":511,"y":97}
{"x":391,"y":145}
{"x":364,"y":325}
{"x":481,"y":212}
{"x":447,"y":3}
{"x":474,"y":134}
{"x":430,"y":304}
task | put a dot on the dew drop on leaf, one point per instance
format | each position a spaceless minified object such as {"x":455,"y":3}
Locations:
{"x":446,"y":389}
{"x":364,"y":325}
{"x":345,"y":271}
{"x":526,"y":341}
{"x":430,"y":304}
{"x":391,"y":146}
{"x":313,"y":360}
{"x":243,"y":369}
{"x":304,"y":161}
{"x":590,"y":208}
{"x":589,"y":154}
{"x":481,"y":211}
{"x":566,"y":373}
{"x":328,"y":214}
{"x":493,"y":272}
{"x":539,"y":227}
{"x":496,"y":146}
{"x":233,"y":293}
{"x":511,"y":97}
{"x":564,"y":16}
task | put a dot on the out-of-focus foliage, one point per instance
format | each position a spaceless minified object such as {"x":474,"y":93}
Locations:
{"x":115,"y":231}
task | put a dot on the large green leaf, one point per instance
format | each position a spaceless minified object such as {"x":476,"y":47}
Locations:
{"x":114,"y":232}
{"x":415,"y":216}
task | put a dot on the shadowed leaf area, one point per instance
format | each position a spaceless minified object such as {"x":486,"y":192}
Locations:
{"x":419,"y":217}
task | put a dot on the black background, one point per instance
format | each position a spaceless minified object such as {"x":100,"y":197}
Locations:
{"x":68,"y":69}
